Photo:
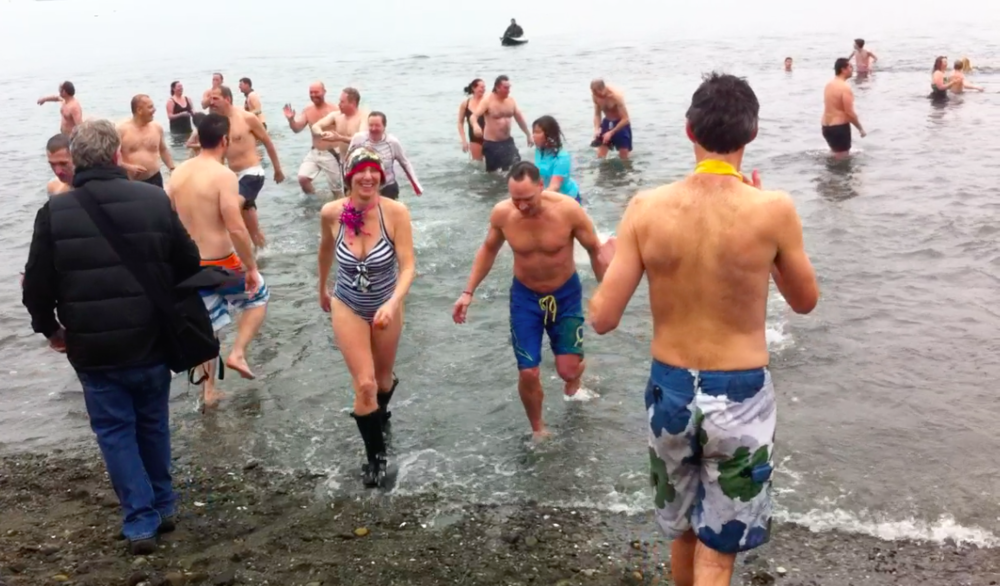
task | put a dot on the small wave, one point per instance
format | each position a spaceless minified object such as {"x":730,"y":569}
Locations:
{"x":584,"y":395}
{"x":941,"y":531}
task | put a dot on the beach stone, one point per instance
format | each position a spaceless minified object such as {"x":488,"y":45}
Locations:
{"x":781,"y":571}
{"x":197,"y":577}
{"x":174,"y":579}
{"x":137,"y":578}
{"x":17,"y":567}
{"x":315,"y":584}
{"x":361,"y":531}
{"x":530,"y":541}
{"x":637,"y":577}
{"x":49,"y":549}
{"x":61,"y":578}
{"x":227,"y":578}
{"x":140,"y":562}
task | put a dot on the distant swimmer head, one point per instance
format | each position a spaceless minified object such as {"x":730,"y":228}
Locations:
{"x":95,"y":143}
{"x":959,"y":64}
{"x":524,"y":182}
{"x":501,"y":86}
{"x":67,"y":89}
{"x":364,"y":173}
{"x":842,"y":67}
{"x":350,"y":98}
{"x":599,"y":88}
{"x":216,"y":79}
{"x":512,"y":21}
{"x":176,"y":89}
{"x":788,"y":63}
{"x":142,"y":107}
{"x":246,"y":86}
{"x":476,"y":88}
{"x":859,"y":43}
{"x":220,"y":99}
{"x":940,"y":63}
{"x":723,"y":114}
{"x":213,"y":132}
{"x":966,"y":65}
{"x":57,"y":151}
{"x":317,"y":93}
{"x":547,"y":135}
{"x":376,"y":125}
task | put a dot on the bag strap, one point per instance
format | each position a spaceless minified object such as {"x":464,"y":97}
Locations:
{"x":125,"y":252}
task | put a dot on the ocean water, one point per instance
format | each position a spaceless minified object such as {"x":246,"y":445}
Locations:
{"x":887,"y":401}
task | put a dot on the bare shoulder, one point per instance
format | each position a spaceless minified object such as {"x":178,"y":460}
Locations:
{"x":396,"y":210}
{"x":330,"y":212}
{"x":776,"y":205}
{"x":501,"y":212}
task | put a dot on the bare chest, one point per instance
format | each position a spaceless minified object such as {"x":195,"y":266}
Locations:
{"x":140,"y":139}
{"x":532,"y":237}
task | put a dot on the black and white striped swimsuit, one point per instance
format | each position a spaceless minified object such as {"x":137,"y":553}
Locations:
{"x":365,"y":285}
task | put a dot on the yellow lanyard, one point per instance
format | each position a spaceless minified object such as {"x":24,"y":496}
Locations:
{"x":713,"y":167}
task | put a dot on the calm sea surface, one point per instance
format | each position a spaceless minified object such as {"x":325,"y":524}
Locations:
{"x":888,"y":394}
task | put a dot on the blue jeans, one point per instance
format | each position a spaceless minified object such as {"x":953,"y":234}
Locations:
{"x":129,"y":412}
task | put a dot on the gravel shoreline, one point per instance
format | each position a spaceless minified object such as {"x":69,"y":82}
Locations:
{"x":244,"y":524}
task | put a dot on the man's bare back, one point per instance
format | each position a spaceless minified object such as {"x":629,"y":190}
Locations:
{"x":835,"y":96}
{"x":141,"y":148}
{"x":542,"y":244}
{"x":708,"y":245}
{"x":203,"y":192}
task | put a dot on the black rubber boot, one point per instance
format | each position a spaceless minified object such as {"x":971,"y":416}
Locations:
{"x":383,"y":404}
{"x":370,"y":426}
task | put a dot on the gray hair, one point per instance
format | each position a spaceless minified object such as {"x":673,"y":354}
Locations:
{"x":94,"y":144}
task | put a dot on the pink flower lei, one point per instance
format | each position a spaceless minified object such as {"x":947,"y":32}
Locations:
{"x":353,"y":218}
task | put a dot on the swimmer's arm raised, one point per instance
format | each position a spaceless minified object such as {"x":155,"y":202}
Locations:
{"x":165,"y":155}
{"x":793,"y":273}
{"x":328,"y":218}
{"x":231,"y":208}
{"x":487,"y":253}
{"x":47,"y":99}
{"x":403,"y":241}
{"x":297,"y":122}
{"x":586,"y":235}
{"x":606,"y":307}
{"x":205,"y":100}
{"x":852,"y":116}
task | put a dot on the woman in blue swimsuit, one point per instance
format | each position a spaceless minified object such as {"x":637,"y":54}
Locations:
{"x":553,"y":161}
{"x":372,"y":239}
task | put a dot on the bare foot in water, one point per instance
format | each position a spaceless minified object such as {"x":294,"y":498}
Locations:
{"x":540,"y":436}
{"x":239,"y":364}
{"x":572,"y":387}
{"x":211,"y":399}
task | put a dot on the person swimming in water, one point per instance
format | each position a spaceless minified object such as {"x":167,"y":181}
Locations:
{"x":474,"y":145}
{"x":788,"y":63}
{"x":553,"y":161}
{"x":940,"y":83}
{"x":863,"y":58}
{"x":959,"y":84}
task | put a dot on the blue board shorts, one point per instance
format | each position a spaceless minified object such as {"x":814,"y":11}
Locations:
{"x":220,"y":300}
{"x":560,"y":314}
{"x":250,"y":183}
{"x":621,"y":139}
{"x":711,"y":445}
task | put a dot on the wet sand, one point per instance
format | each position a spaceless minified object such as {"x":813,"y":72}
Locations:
{"x":243,"y":524}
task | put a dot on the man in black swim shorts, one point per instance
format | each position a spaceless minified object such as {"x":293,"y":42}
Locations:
{"x":838,"y":110}
{"x":499,"y":149}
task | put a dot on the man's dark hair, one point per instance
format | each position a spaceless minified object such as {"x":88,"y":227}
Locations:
{"x":385,"y":121}
{"x":788,"y":58}
{"x":723,"y":114}
{"x":57,"y":143}
{"x":841,"y":64}
{"x":959,"y":64}
{"x":523,"y":169}
{"x":860,"y":43}
{"x":499,"y":80}
{"x":247,"y":81}
{"x":212,"y":129}
{"x":197,"y":118}
{"x":136,"y":100}
{"x":353,"y":95}
{"x":226,"y":93}
{"x":68,"y":87}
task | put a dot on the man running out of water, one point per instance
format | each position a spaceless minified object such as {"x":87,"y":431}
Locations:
{"x":546,"y":295}
{"x":346,"y":120}
{"x":372,"y":239}
{"x":499,"y":107}
{"x":390,"y":150}
{"x":838,"y":110}
{"x":612,"y":126}
{"x":206,"y":195}
{"x":708,"y":246}
{"x":320,"y":158}
{"x":57,"y":151}
{"x":251,"y":102}
{"x":244,"y":132}
{"x":206,"y":98}
{"x":958,"y":83}
{"x":863,"y":58}
{"x":143,"y":143}
{"x":70,"y":113}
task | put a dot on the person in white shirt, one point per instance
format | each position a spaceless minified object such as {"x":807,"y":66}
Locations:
{"x":390,"y":150}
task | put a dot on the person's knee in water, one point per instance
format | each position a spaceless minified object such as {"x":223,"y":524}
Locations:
{"x":711,"y":414}
{"x":368,"y":298}
{"x":545,"y":293}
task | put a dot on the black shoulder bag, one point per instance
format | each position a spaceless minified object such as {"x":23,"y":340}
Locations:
{"x":185,"y":325}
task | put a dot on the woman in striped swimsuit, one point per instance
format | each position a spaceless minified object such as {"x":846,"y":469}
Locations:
{"x":372,"y":240}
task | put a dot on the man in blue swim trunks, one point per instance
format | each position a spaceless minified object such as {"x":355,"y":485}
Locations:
{"x":709,"y":400}
{"x":546,"y":294}
{"x":612,"y":127}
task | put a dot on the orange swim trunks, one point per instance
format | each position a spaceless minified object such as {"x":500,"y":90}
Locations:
{"x":231,"y":262}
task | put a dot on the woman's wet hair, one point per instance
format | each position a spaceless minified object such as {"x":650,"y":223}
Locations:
{"x":553,"y":134}
{"x":173,"y":86}
{"x":939,"y":63}
{"x":723,"y":114}
{"x":469,"y":89}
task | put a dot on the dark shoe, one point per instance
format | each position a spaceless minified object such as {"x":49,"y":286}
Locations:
{"x":167,"y":525}
{"x":373,"y":473}
{"x":142,"y":546}
{"x":383,"y":404}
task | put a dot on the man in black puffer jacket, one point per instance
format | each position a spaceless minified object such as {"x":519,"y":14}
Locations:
{"x":107,"y":326}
